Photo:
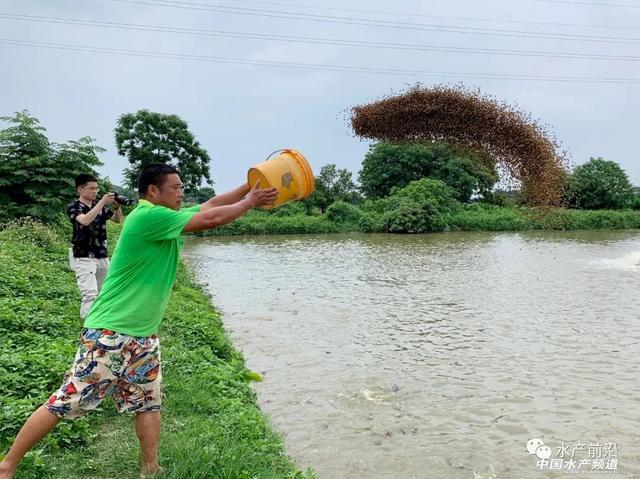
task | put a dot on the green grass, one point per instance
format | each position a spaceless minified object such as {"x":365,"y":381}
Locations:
{"x":260,"y":223}
{"x":489,"y":218}
{"x":212,"y":427}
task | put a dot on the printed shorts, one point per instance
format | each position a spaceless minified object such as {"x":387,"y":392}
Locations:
{"x":109,"y":363}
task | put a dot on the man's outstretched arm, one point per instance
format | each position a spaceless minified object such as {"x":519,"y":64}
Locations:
{"x":228,"y":198}
{"x":222,"y":215}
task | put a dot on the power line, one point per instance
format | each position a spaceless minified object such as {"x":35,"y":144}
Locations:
{"x":594,"y":4}
{"x":314,"y":40}
{"x":443,"y":17}
{"x":375,"y":22}
{"x":381,"y":23}
{"x":316,"y":66}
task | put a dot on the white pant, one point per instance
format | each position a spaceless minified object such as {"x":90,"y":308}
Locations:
{"x":90,"y":274}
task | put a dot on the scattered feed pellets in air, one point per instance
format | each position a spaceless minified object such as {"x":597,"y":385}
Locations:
{"x":523,"y":148}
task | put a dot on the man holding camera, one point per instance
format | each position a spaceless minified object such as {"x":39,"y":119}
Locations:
{"x":88,"y":256}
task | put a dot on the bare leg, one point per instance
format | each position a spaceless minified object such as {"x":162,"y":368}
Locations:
{"x":148,"y":432}
{"x":39,"y":424}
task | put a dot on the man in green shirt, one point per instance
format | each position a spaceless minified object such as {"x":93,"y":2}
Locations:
{"x":119,"y":350}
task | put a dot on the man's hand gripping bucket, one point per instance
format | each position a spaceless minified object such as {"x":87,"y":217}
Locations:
{"x":289,"y":172}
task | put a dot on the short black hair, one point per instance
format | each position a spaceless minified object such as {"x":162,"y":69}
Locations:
{"x":83,"y":179}
{"x":154,"y":174}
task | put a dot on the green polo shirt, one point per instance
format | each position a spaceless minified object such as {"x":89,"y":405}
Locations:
{"x":143,"y":268}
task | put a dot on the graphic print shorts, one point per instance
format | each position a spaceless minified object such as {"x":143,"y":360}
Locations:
{"x":110,"y":364}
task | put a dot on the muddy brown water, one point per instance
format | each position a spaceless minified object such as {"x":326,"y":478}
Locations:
{"x":436,"y":356}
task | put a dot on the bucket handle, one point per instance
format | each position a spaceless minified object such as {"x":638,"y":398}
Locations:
{"x":274,"y":152}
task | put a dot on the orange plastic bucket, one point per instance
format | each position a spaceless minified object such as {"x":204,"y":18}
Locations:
{"x":289,"y":172}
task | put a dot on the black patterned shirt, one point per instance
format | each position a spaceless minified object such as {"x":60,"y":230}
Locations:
{"x":90,"y":239}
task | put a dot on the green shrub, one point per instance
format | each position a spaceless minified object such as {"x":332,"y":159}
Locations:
{"x":378,"y":205}
{"x":342,"y":212}
{"x":482,"y":217}
{"x":371,"y":222}
{"x":419,"y":207}
{"x":600,"y":219}
{"x":290,"y":209}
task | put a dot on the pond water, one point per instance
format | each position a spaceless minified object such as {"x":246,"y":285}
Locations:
{"x":441,"y":355}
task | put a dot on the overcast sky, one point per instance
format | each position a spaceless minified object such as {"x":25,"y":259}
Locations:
{"x":242,"y":112}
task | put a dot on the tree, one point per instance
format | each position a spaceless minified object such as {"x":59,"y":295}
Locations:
{"x":36,"y":176}
{"x":107,"y":186}
{"x":202,"y":194}
{"x":389,"y":164}
{"x":333,"y":184}
{"x":147,"y":137}
{"x":599,"y":184}
{"x":421,"y":206}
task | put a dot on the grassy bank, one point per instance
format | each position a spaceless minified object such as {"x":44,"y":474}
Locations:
{"x":211,"y":425}
{"x":473,"y":217}
{"x":491,"y":218}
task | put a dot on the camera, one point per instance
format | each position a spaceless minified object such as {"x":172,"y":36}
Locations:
{"x":123,"y":200}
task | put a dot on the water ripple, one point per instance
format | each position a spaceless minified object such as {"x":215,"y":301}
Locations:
{"x":388,"y":356}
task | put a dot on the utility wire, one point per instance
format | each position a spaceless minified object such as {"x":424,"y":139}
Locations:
{"x":593,"y":4}
{"x":314,"y":40}
{"x":442,"y":17}
{"x":317,"y":66}
{"x":381,"y":23}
